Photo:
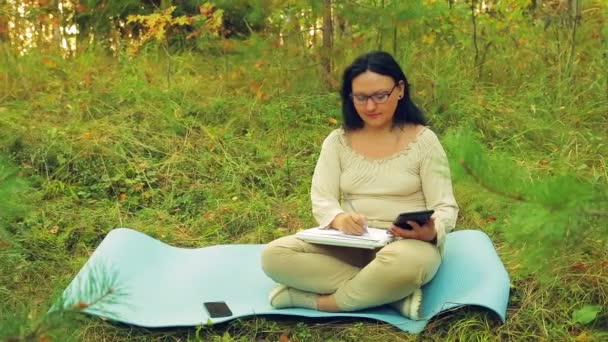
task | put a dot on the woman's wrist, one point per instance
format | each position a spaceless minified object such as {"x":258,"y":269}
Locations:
{"x":432,"y":240}
{"x":336,"y":222}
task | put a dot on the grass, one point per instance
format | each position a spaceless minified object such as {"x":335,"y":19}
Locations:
{"x":222,"y":151}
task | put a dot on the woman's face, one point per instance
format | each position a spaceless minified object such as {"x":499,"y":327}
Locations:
{"x":375,"y":98}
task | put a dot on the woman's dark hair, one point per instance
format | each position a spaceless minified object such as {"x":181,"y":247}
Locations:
{"x":381,"y":63}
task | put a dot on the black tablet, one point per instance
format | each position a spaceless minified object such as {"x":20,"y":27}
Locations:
{"x":419,"y":217}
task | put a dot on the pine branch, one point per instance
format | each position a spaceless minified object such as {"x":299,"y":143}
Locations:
{"x":101,"y":286}
{"x":483,"y":184}
{"x":519,"y":198}
{"x":39,"y":331}
{"x":81,"y":305}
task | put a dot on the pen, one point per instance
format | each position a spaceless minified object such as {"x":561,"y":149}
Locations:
{"x":353,"y":208}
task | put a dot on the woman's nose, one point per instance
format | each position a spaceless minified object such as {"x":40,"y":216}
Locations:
{"x":370,"y":104}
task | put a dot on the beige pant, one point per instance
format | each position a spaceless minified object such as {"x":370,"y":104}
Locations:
{"x":359,"y":278}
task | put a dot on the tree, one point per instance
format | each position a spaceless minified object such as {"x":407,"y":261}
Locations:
{"x":3,"y":25}
{"x":328,"y":30}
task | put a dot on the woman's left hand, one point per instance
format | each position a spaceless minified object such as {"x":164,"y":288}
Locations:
{"x":425,"y":232}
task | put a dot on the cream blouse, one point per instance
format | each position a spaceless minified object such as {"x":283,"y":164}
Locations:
{"x":416,"y":178}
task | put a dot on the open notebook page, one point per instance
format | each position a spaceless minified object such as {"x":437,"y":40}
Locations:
{"x":372,"y":234}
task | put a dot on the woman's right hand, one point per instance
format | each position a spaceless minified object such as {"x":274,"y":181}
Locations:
{"x":350,"y":223}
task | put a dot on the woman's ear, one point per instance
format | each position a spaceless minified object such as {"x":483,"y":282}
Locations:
{"x":402,"y":89}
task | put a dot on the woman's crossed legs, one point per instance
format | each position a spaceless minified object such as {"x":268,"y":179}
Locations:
{"x":348,"y":279}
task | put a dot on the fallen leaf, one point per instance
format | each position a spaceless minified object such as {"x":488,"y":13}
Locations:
{"x":583,"y":337}
{"x":287,"y":337}
{"x":260,"y":95}
{"x":49,"y":63}
{"x":332,"y":121}
{"x":578,"y":266}
{"x":44,"y":338}
{"x":122,"y":197}
{"x":81,"y":305}
{"x":54,"y":230}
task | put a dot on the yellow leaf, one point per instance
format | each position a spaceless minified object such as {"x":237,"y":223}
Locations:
{"x":583,"y":337}
{"x":260,"y":95}
{"x":428,"y":38}
{"x":182,"y":20}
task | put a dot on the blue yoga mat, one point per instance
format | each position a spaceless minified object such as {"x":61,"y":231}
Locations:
{"x":135,"y":279}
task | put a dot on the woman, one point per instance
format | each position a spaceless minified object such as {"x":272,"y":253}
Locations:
{"x":383,"y":162}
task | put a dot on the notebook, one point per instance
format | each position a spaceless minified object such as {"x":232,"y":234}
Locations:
{"x":373,"y":238}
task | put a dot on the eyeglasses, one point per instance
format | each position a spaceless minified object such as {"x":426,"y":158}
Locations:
{"x":378,"y":98}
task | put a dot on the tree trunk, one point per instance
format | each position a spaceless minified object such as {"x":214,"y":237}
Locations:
{"x":340,"y":23}
{"x":575,"y":18}
{"x":474,"y":35}
{"x":380,"y":33}
{"x":58,"y":27}
{"x":328,"y":30}
{"x":4,"y":37}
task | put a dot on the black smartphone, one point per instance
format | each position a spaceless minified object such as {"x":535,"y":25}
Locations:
{"x":419,"y":217}
{"x":217,"y":309}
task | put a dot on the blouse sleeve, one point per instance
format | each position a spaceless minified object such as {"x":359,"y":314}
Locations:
{"x":437,"y":187}
{"x":325,"y":189}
